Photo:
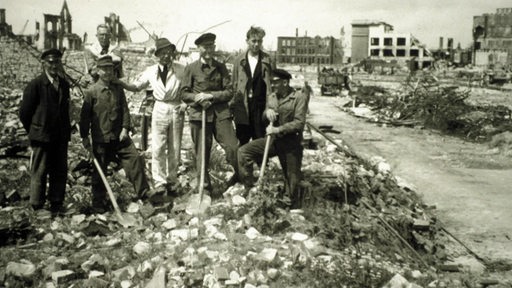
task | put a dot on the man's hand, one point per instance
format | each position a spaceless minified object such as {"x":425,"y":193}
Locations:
{"x":271,"y":115}
{"x":86,"y":142}
{"x":205,"y":104}
{"x":124,"y":135}
{"x":202,"y":97}
{"x":181,"y":108}
{"x":272,"y":130}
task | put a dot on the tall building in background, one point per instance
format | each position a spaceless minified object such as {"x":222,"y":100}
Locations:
{"x":304,"y":50}
{"x":376,"y":40}
{"x":492,"y":36}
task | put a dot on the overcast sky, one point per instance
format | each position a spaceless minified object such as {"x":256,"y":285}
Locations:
{"x":427,"y":20}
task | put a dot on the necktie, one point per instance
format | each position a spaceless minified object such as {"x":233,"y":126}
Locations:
{"x":163,"y":74}
{"x":56,"y":83}
{"x":104,"y":51}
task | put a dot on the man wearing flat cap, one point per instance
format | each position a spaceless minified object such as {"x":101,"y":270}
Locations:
{"x":206,"y":86}
{"x":106,"y":118}
{"x":104,"y":46}
{"x":168,"y":114}
{"x":286,"y":110}
{"x":44,"y":113}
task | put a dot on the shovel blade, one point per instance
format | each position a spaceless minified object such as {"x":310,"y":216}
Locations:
{"x":196,"y":205}
{"x":127,"y":220}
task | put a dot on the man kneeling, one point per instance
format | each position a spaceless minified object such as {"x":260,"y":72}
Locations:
{"x":286,"y":110}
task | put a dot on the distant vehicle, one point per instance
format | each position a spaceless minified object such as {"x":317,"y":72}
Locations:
{"x":333,"y":82}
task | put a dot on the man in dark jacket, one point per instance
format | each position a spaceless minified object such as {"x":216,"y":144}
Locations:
{"x":44,"y":113}
{"x":286,"y":110}
{"x":251,"y":86}
{"x":206,"y":85}
{"x":105,"y":114}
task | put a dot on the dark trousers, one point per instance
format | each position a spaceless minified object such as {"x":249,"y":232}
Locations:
{"x":289,"y":151}
{"x":256,"y":127}
{"x":224,"y":134}
{"x":49,"y":160}
{"x":131,"y":161}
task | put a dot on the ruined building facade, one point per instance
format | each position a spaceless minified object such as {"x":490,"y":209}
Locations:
{"x":376,"y":40}
{"x":304,"y":50}
{"x":492,"y":35}
{"x":5,"y":29}
{"x":57,"y":31}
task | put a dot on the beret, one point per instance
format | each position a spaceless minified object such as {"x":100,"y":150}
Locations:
{"x":105,"y":60}
{"x":207,"y":38}
{"x":281,"y":74}
{"x":163,"y":43}
{"x":51,"y":52}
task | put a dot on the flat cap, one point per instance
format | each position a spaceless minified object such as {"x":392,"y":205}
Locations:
{"x":105,"y":60}
{"x":281,"y":74}
{"x":51,"y":53}
{"x":205,"y":39}
{"x":163,"y":43}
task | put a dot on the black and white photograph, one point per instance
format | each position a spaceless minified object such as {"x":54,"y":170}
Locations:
{"x":256,"y":143}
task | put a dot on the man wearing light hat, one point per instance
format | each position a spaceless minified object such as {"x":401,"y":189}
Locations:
{"x":44,"y":113}
{"x":106,"y":117}
{"x":286,"y":110}
{"x":168,"y":114}
{"x":207,"y":85}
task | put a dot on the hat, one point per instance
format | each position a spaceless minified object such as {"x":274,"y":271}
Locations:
{"x":51,"y":53}
{"x":205,"y":39}
{"x":162,"y":43}
{"x":281,"y":74}
{"x":105,"y":60}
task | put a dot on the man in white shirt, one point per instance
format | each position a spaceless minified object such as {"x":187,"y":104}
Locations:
{"x":104,"y":47}
{"x":168,"y":114}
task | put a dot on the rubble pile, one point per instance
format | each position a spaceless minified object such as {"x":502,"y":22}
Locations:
{"x":423,"y":100}
{"x":243,"y":242}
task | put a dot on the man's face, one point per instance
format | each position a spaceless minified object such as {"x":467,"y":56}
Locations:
{"x":254,"y":44}
{"x":279,"y":86}
{"x":106,"y":73}
{"x":165,"y":55}
{"x":206,"y":51}
{"x":103,"y":35}
{"x":52,"y":65}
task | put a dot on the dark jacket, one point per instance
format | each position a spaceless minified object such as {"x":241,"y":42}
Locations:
{"x":217,"y":82}
{"x":239,"y":103}
{"x":44,"y":112}
{"x":104,"y":112}
{"x":292,"y":111}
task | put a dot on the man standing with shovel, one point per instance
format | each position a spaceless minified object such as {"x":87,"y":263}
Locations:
{"x":286,"y":111}
{"x":106,"y":116}
{"x":206,"y":87}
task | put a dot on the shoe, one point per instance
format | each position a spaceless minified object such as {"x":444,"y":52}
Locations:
{"x":57,"y":209}
{"x":36,"y":207}
{"x":232,"y":181}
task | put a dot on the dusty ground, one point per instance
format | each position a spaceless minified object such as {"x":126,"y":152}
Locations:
{"x":467,"y":182}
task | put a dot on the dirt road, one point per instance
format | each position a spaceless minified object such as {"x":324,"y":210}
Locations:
{"x":470,"y":184}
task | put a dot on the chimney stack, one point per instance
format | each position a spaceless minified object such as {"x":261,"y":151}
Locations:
{"x":440,"y":43}
{"x":296,"y":32}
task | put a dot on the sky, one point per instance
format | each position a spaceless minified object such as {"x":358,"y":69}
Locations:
{"x":427,"y":20}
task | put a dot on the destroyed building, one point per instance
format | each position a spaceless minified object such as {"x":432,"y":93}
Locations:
{"x":309,"y":50}
{"x":57,"y":31}
{"x":5,"y":29}
{"x":492,"y":36}
{"x":119,"y":33}
{"x":377,"y":40}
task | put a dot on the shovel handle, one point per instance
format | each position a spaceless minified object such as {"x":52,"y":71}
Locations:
{"x":203,"y":153}
{"x":265,"y":159}
{"x":109,"y":190}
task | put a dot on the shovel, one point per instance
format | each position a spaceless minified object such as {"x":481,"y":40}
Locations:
{"x":264,"y":162}
{"x":127,"y":221}
{"x":198,"y":203}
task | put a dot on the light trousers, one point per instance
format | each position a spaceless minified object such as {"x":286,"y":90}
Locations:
{"x":166,"y":134}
